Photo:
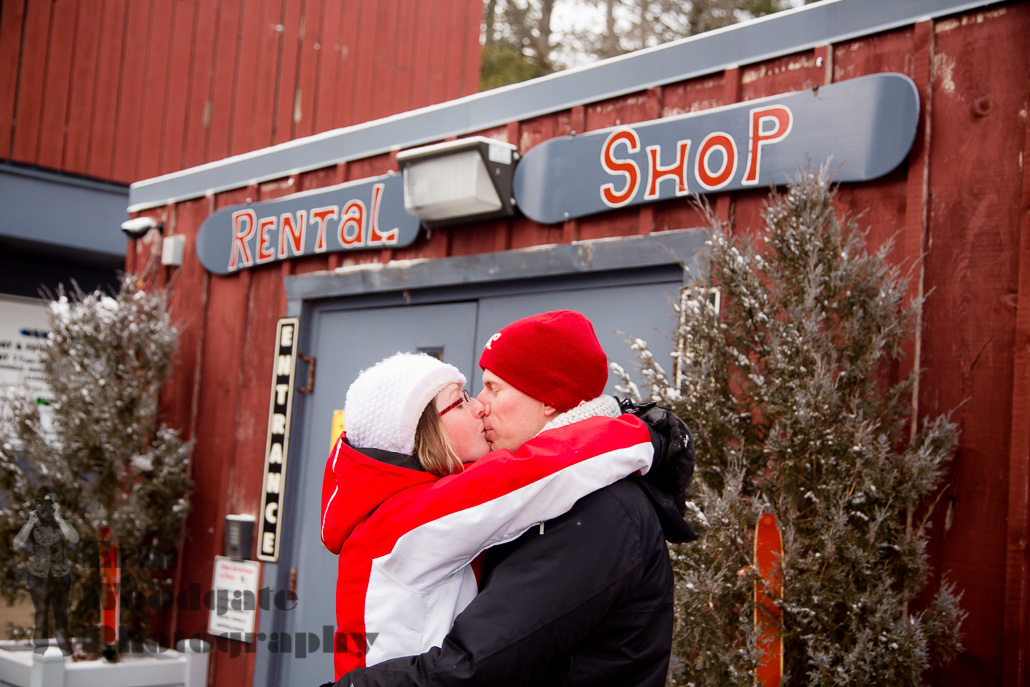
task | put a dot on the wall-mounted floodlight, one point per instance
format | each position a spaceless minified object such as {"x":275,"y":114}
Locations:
{"x":137,"y":227}
{"x":459,"y":181}
{"x":172,"y":247}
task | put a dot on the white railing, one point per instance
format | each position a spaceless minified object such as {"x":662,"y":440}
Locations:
{"x":20,"y":666}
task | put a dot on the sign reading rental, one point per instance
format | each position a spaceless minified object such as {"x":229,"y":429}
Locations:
{"x":363,"y":214}
{"x":864,"y":127}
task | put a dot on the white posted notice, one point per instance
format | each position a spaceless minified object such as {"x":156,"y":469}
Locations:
{"x":234,"y":599}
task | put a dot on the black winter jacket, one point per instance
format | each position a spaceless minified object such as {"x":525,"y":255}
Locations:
{"x":585,"y":599}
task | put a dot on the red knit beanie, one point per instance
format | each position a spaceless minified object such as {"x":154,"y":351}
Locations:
{"x":554,"y":357}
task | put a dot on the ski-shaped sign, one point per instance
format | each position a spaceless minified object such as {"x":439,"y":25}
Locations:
{"x":768,"y":589}
{"x":864,"y":127}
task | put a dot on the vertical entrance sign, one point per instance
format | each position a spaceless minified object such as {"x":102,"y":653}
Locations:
{"x":284,"y":366}
{"x":768,"y":588}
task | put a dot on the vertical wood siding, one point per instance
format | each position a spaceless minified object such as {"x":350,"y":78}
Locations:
{"x":124,"y":91}
{"x":956,"y":212}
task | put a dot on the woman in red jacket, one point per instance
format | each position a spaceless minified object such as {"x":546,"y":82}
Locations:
{"x":411,"y":495}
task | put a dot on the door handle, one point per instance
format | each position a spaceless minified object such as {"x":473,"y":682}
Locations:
{"x":310,"y":360}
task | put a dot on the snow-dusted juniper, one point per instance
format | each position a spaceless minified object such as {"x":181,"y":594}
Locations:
{"x":792,"y":395}
{"x":110,"y":460}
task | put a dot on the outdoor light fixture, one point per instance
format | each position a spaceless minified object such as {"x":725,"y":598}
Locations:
{"x":459,"y":181}
{"x":172,"y":247}
{"x":137,"y":227}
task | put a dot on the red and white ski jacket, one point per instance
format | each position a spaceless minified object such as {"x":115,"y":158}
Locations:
{"x":406,"y":538}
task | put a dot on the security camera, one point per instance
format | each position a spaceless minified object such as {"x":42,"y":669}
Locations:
{"x":137,"y":227}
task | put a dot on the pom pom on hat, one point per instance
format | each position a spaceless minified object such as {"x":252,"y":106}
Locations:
{"x":554,"y":357}
{"x":385,"y":402}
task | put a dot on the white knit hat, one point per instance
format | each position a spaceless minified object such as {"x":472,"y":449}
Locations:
{"x":385,"y":402}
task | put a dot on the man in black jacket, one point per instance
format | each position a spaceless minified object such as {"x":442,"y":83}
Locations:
{"x":585,"y":598}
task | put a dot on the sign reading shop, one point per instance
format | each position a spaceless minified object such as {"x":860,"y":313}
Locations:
{"x":362,"y":214}
{"x":864,"y":127}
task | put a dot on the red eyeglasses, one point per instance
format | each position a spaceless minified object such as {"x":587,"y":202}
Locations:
{"x":465,"y":398}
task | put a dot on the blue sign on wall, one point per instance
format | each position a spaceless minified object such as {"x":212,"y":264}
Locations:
{"x":358,"y":215}
{"x":864,"y":126}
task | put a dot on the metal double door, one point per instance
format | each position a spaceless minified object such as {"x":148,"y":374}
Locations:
{"x":345,"y":341}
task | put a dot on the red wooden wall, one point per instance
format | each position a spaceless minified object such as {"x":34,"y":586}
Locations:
{"x":957,"y":210}
{"x":124,"y":90}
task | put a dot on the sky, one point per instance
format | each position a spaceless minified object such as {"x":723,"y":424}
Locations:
{"x":588,"y":15}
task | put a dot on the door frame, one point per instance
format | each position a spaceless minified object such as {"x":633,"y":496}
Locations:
{"x":623,"y":261}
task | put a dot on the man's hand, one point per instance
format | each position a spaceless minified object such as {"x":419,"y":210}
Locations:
{"x":673,"y":467}
{"x":674,"y":441}
{"x":671,"y":428}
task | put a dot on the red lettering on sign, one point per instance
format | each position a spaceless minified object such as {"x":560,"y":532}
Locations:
{"x":677,"y":171}
{"x":292,"y":232}
{"x":243,"y":222}
{"x":781,"y":120}
{"x":706,"y":176}
{"x":265,"y":251}
{"x":321,"y":217}
{"x":375,"y":238}
{"x":354,"y":218}
{"x":627,"y":168}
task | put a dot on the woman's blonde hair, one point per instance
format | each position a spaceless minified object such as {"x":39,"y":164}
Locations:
{"x":434,"y":450}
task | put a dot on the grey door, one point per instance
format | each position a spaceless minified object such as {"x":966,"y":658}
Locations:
{"x":618,"y":314}
{"x":347,"y":341}
{"x":344,"y":343}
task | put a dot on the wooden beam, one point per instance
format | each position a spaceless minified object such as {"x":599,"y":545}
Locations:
{"x":1017,"y":570}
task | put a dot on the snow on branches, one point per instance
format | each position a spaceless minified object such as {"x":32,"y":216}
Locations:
{"x":789,"y":385}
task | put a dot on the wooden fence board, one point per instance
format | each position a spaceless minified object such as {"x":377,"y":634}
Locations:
{"x":364,"y":82}
{"x":386,"y":58}
{"x":130,"y":105}
{"x":266,"y":303}
{"x":1016,"y":649}
{"x":343,"y":96}
{"x":260,"y":302}
{"x":307,"y":77}
{"x":188,"y":306}
{"x":790,"y":73}
{"x":82,"y":92}
{"x":242,"y":120}
{"x":199,"y":100}
{"x":404,"y":56}
{"x":155,"y":96}
{"x":270,"y":43}
{"x":30,"y":82}
{"x":972,"y":265}
{"x":473,"y":50}
{"x":420,"y":68}
{"x":224,"y":319}
{"x":173,"y":136}
{"x":12,"y":14}
{"x":437,"y":54}
{"x":58,"y":79}
{"x":330,"y":60}
{"x":289,"y":60}
{"x":452,"y":61}
{"x":226,"y":73}
{"x":109,"y":74}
